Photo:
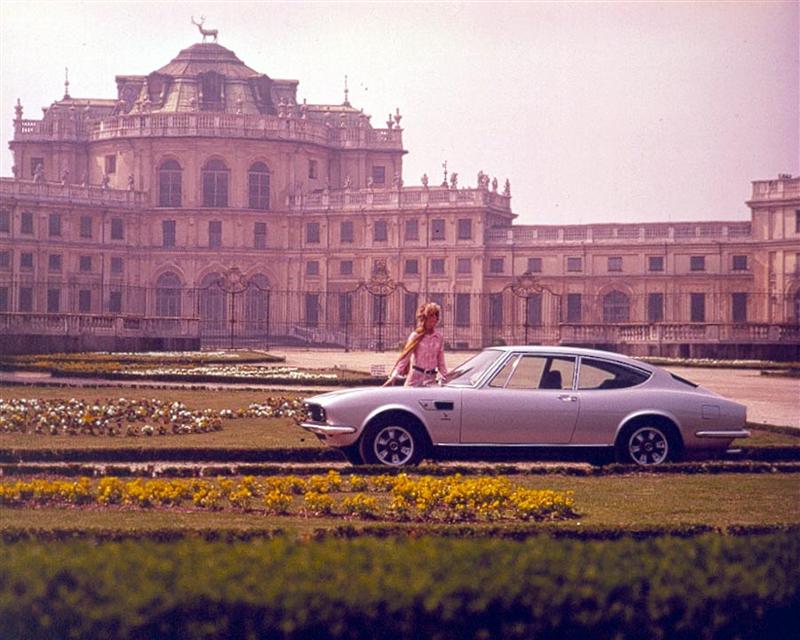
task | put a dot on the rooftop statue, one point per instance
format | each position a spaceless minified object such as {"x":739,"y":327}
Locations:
{"x":205,"y":32}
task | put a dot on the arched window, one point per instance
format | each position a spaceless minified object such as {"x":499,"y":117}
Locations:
{"x":256,"y":305}
{"x":616,"y":307}
{"x":258,"y":186}
{"x":168,"y":296}
{"x":215,"y":184}
{"x":169,"y":184}
{"x":213,"y":311}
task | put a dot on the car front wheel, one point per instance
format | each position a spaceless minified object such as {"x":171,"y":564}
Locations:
{"x":646,"y":445}
{"x":393,"y":442}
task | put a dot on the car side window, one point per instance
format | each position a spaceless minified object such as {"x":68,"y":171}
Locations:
{"x":536,"y":372}
{"x":599,"y":374}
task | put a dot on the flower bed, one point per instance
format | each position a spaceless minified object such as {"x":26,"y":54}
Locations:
{"x":397,"y":498}
{"x":125,"y":417}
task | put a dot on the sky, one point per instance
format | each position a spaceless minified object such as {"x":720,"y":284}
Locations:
{"x":595,"y":111}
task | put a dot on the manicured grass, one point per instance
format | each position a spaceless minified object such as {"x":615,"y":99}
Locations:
{"x":606,"y":502}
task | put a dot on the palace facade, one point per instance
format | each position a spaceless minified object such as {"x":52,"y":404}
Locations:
{"x":206,"y":206}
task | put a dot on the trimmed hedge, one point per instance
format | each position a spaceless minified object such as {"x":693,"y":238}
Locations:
{"x":708,"y":586}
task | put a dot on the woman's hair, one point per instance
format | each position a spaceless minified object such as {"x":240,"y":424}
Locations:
{"x":425,"y":311}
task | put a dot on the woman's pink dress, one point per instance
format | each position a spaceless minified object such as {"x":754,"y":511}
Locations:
{"x":422,"y":365}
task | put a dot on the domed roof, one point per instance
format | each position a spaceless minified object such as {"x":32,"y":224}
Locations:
{"x":208,"y":56}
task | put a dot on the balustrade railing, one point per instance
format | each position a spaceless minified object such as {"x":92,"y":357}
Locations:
{"x":657,"y":232}
{"x":71,"y":193}
{"x":259,"y":127}
{"x":393,"y":197}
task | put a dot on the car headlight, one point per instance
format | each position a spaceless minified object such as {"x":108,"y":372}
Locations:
{"x":315,"y":412}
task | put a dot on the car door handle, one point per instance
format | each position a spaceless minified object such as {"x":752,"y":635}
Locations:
{"x":567,"y":398}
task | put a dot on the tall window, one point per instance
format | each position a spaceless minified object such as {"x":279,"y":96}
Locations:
{"x":54,"y":262}
{"x":616,"y":307}
{"x":346,"y":231}
{"x":312,"y":268}
{"x":496,"y":265}
{"x":574,"y":310}
{"x":496,"y":309}
{"x":5,"y":221}
{"x":312,"y":232}
{"x":655,"y":307}
{"x":25,"y":299}
{"x":256,"y":304}
{"x":86,"y":227}
{"x":345,"y":309}
{"x":215,"y":184}
{"x":4,"y":302}
{"x":115,"y":302}
{"x":168,"y":296}
{"x":117,"y":266}
{"x":53,"y":300}
{"x":465,"y":229}
{"x":211,"y":84}
{"x":411,"y":230}
{"x":462,"y":309}
{"x":5,"y":260}
{"x":117,"y":229}
{"x":54,"y":224}
{"x":378,"y":175}
{"x":213,"y":310}
{"x":437,"y":266}
{"x":312,"y":170}
{"x":168,"y":233}
{"x":85,"y":263}
{"x":740,"y":263}
{"x":260,"y":235}
{"x":346,"y":268}
{"x":312,"y":309}
{"x":26,"y":261}
{"x":380,"y":231}
{"x":437,"y":229}
{"x":215,"y":233}
{"x":464,"y":265}
{"x":411,"y":267}
{"x":85,"y":301}
{"x":410,"y":309}
{"x":698,"y":307}
{"x":26,"y":223}
{"x":534,"y":265}
{"x":258,"y":186}
{"x":169,"y":184}
{"x":739,"y":307}
{"x":533,"y":310}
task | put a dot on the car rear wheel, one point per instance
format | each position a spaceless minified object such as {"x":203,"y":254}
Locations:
{"x":646,"y":445}
{"x":395,"y":442}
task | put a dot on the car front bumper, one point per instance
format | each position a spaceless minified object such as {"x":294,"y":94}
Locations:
{"x":327,"y":430}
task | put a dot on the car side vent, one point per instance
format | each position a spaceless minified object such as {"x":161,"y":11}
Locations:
{"x":443,"y":406}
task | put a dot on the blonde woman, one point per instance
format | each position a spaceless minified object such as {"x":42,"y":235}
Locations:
{"x":422,"y":358}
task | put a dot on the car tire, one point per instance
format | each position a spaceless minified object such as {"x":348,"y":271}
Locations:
{"x":352,"y":454}
{"x":394,"y":442}
{"x":646,"y":444}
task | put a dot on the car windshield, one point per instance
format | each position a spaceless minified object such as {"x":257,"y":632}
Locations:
{"x":468,"y":373}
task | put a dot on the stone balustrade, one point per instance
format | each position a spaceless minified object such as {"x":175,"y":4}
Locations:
{"x":73,"y":324}
{"x":783,"y":188}
{"x":71,"y":193}
{"x":522,"y":235}
{"x":394,"y":198}
{"x":254,"y":127}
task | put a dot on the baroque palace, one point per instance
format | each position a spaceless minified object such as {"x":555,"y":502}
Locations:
{"x":206,"y":206}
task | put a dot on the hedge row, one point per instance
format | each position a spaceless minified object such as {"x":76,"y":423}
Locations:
{"x":326,"y":454}
{"x":708,"y":586}
{"x":203,"y":470}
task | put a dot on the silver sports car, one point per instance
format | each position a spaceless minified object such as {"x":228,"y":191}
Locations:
{"x":524,"y":399}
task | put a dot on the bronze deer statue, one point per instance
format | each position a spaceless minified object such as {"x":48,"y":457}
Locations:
{"x":205,"y":32}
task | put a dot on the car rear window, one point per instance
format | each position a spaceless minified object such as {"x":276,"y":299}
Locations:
{"x":688,"y":383}
{"x":602,"y":374}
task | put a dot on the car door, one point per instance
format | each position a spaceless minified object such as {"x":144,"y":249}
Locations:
{"x":529,"y":401}
{"x":607,"y":391}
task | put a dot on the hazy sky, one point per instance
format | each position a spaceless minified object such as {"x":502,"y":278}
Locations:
{"x":595,"y":111}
